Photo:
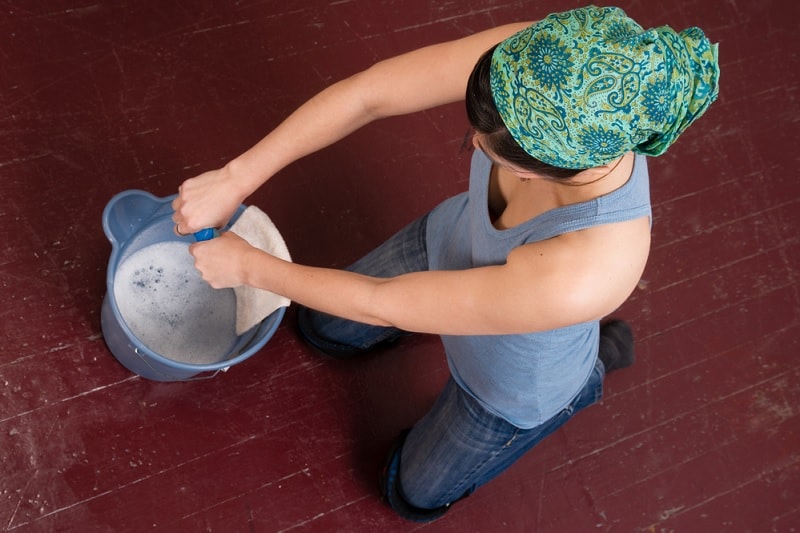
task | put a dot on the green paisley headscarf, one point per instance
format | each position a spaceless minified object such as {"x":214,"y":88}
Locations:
{"x":578,"y":89}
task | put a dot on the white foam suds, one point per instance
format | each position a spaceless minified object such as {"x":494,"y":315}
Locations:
{"x":169,"y":307}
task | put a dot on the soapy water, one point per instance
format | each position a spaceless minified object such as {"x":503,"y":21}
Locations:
{"x":170,"y":309}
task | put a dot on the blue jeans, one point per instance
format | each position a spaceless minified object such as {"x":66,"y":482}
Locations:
{"x":459,"y":445}
{"x":404,"y":252}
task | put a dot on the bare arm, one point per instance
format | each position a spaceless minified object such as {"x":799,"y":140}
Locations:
{"x":565,"y":280}
{"x":541,"y":286}
{"x":414,"y":81}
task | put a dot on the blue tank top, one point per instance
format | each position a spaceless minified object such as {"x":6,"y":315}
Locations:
{"x":525,"y":379}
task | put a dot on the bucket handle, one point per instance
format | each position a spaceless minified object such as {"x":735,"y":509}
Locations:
{"x":171,"y":378}
{"x":127,"y":211}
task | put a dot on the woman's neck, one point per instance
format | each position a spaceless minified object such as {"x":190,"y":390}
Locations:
{"x":515,"y":198}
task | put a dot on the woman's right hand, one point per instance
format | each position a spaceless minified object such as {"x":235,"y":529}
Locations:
{"x":205,"y":201}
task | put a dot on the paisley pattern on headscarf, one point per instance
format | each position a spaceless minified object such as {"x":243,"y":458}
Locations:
{"x":580,"y":88}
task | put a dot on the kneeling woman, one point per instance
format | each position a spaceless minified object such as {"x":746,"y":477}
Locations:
{"x":516,"y":273}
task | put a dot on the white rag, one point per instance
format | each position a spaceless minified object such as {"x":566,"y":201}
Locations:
{"x":253,"y":305}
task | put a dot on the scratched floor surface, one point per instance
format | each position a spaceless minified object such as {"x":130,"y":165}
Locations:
{"x":702,"y":434}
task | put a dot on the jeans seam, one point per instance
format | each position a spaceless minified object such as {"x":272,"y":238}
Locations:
{"x":511,"y":440}
{"x":422,"y":238}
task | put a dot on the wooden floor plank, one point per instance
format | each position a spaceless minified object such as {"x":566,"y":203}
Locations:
{"x":701,"y":434}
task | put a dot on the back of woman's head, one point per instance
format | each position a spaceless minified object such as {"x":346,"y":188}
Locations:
{"x":495,"y":137}
{"x":578,"y":89}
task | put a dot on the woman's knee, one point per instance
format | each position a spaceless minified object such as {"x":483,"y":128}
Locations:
{"x":341,"y":338}
{"x":394,"y":493}
{"x":312,"y":324}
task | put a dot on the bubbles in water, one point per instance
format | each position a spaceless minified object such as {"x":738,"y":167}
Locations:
{"x":169,"y":307}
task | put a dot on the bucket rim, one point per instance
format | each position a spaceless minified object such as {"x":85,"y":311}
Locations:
{"x":271,"y":322}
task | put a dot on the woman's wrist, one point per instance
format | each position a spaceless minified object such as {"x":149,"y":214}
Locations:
{"x":240,"y":178}
{"x":255,"y":269}
{"x":248,"y":266}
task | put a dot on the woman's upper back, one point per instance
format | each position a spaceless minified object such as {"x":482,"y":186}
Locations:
{"x":583,"y":258}
{"x":528,"y":377}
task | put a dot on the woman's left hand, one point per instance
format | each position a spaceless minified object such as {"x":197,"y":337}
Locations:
{"x":221,"y":261}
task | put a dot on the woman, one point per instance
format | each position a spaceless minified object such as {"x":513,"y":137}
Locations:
{"x":515,"y":274}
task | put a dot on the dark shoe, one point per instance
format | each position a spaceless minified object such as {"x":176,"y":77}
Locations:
{"x":391,"y":491}
{"x":616,"y":345}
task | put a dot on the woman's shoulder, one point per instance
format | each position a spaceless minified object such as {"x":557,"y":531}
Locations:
{"x":594,"y":270}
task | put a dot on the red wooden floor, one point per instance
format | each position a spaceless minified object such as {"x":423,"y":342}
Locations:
{"x":702,"y":434}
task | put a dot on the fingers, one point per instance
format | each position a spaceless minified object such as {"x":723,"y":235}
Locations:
{"x":177,"y":216}
{"x":201,"y":203}
{"x":179,"y":220}
{"x":178,"y":231}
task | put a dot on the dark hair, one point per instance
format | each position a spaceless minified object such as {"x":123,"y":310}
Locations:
{"x":484,"y":117}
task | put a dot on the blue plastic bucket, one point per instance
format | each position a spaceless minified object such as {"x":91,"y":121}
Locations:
{"x":132,"y":221}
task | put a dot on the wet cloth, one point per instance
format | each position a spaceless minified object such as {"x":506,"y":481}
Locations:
{"x":525,"y":379}
{"x":580,"y":88}
{"x":253,"y":305}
